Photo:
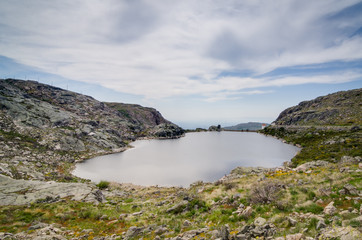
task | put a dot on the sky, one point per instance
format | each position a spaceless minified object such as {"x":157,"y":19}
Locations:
{"x":198,"y":62}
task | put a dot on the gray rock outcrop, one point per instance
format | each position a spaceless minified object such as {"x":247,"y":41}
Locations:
{"x":21,"y":192}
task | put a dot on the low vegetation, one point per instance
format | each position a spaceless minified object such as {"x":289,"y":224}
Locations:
{"x":315,"y":196}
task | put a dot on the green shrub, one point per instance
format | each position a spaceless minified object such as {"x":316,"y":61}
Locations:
{"x":103,"y":184}
{"x":312,"y":208}
{"x":311,"y":195}
{"x":313,"y":223}
{"x":355,"y":223}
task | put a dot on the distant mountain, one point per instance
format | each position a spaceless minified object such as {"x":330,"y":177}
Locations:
{"x":251,"y":126}
{"x":341,"y":108}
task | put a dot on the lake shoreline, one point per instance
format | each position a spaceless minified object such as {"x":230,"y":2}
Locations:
{"x":170,"y":184}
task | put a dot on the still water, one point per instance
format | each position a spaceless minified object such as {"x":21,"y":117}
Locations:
{"x":205,"y":156}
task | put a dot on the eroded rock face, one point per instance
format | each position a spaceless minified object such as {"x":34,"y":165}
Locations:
{"x":21,"y":192}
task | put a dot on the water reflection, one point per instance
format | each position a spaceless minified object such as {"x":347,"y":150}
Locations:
{"x":203,"y":156}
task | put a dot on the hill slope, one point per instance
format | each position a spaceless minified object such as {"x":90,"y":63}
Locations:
{"x":39,"y":117}
{"x":319,"y":199}
{"x":341,"y":108}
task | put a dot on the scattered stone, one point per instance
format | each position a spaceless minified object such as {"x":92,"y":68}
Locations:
{"x":259,"y":221}
{"x":224,"y":233}
{"x":344,"y":169}
{"x":186,"y":223}
{"x":297,"y":236}
{"x":358,"y":219}
{"x":330,"y":209}
{"x":350,"y":189}
{"x":325,"y":191}
{"x":304,"y":167}
{"x":37,"y":226}
{"x":321,"y":224}
{"x":349,"y":160}
{"x":161,"y":230}
{"x":87,"y":231}
{"x":247,"y":212}
{"x":292,"y":221}
{"x":343,"y":233}
{"x":137,"y":213}
{"x":178,"y":207}
{"x":132,"y":232}
{"x":21,"y":192}
{"x":122,"y":216}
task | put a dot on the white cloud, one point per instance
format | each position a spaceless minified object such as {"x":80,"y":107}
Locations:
{"x":167,"y":48}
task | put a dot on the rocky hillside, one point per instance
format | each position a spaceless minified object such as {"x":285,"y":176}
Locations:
{"x":341,"y":108}
{"x":316,"y":196}
{"x":50,"y":120}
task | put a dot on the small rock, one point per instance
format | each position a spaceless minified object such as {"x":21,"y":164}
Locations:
{"x":214,"y":234}
{"x":137,"y":213}
{"x":98,"y":195}
{"x":297,"y":236}
{"x":161,"y":230}
{"x":358,"y":219}
{"x":292,"y":221}
{"x":241,"y":206}
{"x":133,"y":232}
{"x":224,"y":233}
{"x":259,"y":221}
{"x":186,"y":223}
{"x":325,"y":191}
{"x":342,"y":191}
{"x":330,"y":209}
{"x":37,"y":226}
{"x":247,"y":212}
{"x":344,"y":212}
{"x":343,"y":169}
{"x":345,"y":233}
{"x":178,"y":207}
{"x":87,"y":231}
{"x":349,"y":160}
{"x":321,"y":224}
{"x":350,"y":189}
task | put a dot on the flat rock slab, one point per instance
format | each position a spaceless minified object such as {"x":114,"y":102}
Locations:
{"x":20,"y":192}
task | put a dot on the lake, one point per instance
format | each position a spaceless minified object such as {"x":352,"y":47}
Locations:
{"x":205,"y":156}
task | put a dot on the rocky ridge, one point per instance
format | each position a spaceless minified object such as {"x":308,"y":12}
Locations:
{"x":341,"y":108}
{"x":42,"y":126}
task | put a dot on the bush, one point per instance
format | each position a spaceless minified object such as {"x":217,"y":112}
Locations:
{"x":229,"y":186}
{"x":103,"y":185}
{"x":265,"y":193}
{"x":311,"y":195}
{"x":313,"y":208}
